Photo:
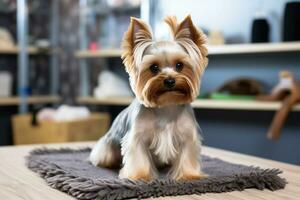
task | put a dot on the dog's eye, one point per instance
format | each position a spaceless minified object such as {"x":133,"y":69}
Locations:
{"x":154,"y":68}
{"x":179,"y":66}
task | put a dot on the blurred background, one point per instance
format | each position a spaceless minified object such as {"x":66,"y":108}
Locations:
{"x":62,"y":79}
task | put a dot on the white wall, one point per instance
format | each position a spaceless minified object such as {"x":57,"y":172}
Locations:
{"x":232,"y":17}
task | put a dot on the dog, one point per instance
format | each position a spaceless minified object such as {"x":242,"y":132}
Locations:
{"x":159,"y":127}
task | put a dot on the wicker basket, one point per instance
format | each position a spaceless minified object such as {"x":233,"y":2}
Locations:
{"x":56,"y":132}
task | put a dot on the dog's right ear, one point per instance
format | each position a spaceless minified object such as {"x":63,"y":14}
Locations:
{"x":135,"y":40}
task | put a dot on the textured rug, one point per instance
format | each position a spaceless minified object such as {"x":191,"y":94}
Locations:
{"x":69,"y":171}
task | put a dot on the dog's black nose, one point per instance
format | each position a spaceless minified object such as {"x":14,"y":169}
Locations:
{"x":169,"y":82}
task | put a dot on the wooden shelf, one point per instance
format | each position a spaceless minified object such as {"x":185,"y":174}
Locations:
{"x":201,"y":103}
{"x":121,"y":101}
{"x":99,"y":53}
{"x":239,"y":105}
{"x":213,"y":50}
{"x":254,"y":48}
{"x":14,"y":50}
{"x":9,"y":101}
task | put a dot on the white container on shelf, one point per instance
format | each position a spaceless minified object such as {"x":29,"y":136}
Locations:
{"x":5,"y":84}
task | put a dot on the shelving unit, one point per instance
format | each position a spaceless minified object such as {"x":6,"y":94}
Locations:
{"x":146,"y":7}
{"x":229,"y":49}
{"x":22,"y":51}
{"x":12,"y":101}
{"x":200,"y":103}
{"x":212,"y":50}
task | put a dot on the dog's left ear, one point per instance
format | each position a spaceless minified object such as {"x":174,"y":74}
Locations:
{"x":135,"y":40}
{"x":186,"y":31}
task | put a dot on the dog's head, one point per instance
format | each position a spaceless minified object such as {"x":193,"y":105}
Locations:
{"x":164,"y":73}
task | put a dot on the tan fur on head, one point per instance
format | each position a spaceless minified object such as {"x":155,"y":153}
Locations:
{"x":140,"y":52}
{"x":187,"y":35}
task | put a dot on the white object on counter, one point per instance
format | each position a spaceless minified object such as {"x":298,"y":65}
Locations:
{"x":70,"y":113}
{"x":5,"y":84}
{"x":46,"y":114}
{"x":63,"y":113}
{"x":110,"y":84}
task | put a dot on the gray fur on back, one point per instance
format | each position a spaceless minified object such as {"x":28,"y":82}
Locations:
{"x":123,"y":122}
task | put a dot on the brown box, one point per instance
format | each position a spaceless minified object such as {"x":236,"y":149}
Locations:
{"x":91,"y":128}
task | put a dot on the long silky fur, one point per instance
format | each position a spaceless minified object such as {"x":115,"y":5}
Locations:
{"x":135,"y":43}
{"x":190,"y":38}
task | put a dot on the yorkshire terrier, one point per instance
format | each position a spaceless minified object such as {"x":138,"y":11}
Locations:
{"x":159,"y":127}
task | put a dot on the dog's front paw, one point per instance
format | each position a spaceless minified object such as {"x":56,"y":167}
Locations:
{"x":105,"y":155}
{"x":144,"y":175}
{"x":191,"y":176}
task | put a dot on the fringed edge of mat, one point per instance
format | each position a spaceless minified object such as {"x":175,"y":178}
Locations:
{"x":83,"y":188}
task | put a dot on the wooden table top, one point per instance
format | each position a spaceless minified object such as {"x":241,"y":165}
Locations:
{"x":18,"y":182}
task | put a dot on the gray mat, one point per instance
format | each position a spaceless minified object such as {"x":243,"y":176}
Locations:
{"x":68,"y":171}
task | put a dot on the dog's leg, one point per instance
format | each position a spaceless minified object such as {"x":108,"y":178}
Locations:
{"x":106,"y":153}
{"x":187,"y":164}
{"x":137,"y":160}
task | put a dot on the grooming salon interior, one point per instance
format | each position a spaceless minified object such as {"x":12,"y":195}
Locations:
{"x":62,"y":78}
